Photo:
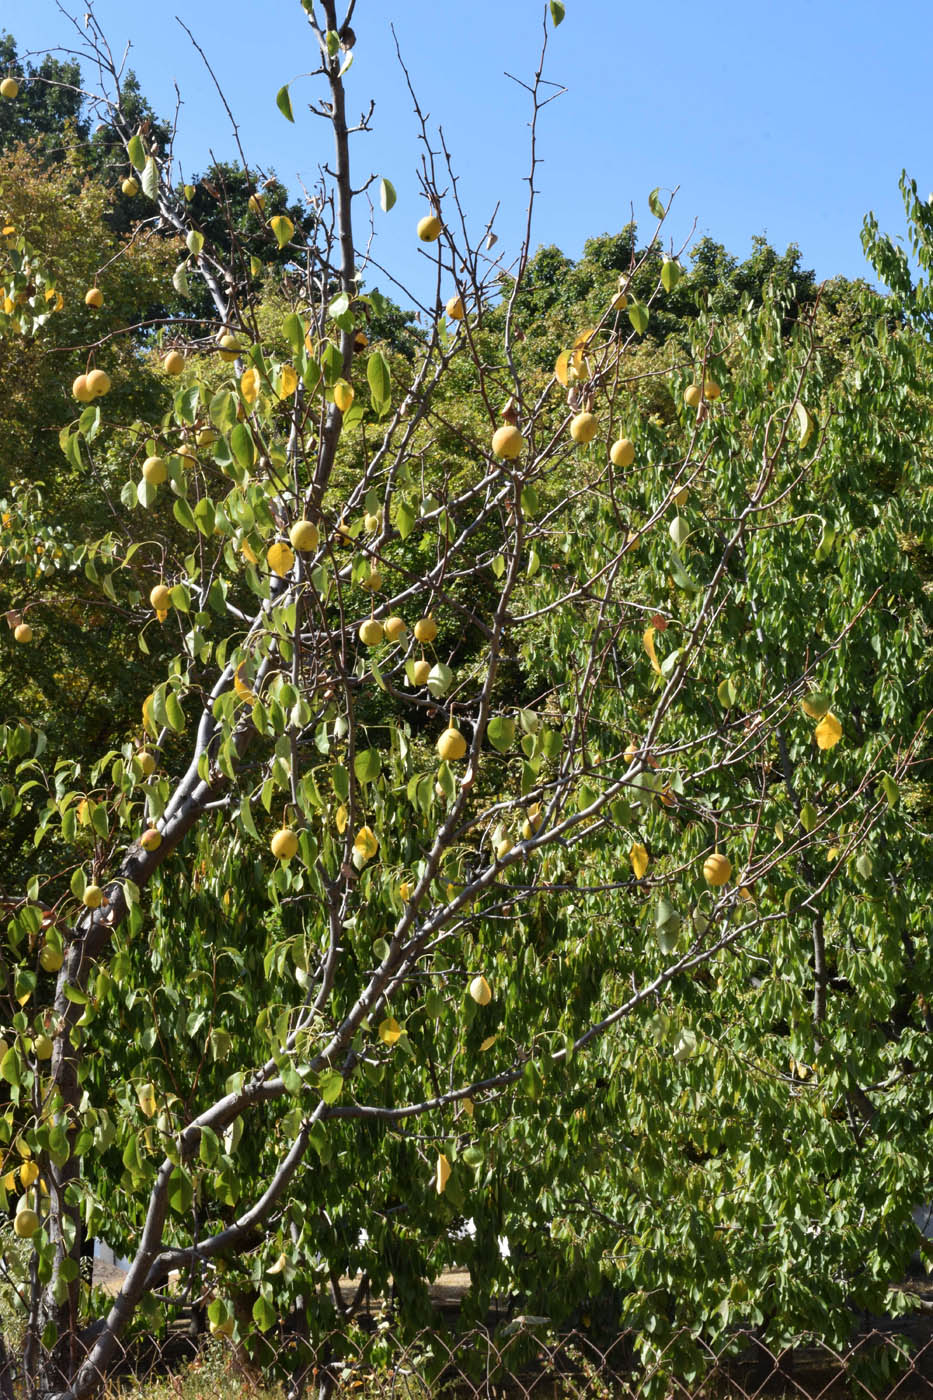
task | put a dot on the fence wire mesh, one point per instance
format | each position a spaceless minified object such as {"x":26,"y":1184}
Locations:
{"x":524,"y":1359}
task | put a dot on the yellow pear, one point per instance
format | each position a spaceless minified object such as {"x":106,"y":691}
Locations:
{"x":151,"y":839}
{"x":130,"y":187}
{"x":454,"y":309}
{"x":50,"y":959}
{"x":304,"y":536}
{"x":693,"y":395}
{"x":284,"y":844}
{"x":425,"y":629}
{"x":451,"y":746}
{"x":22,"y":632}
{"x":98,"y":382}
{"x":161,"y":598}
{"x":622,"y":453}
{"x":480,"y":991}
{"x":584,"y":427}
{"x":371,"y":632}
{"x":507,"y":442}
{"x":9,"y":88}
{"x":154,"y":471}
{"x":81,"y":389}
{"x":94,"y":297}
{"x":394,"y":628}
{"x":717,"y":869}
{"x":174,"y":362}
{"x":429,"y":228}
{"x":420,"y":670}
{"x":93,"y":897}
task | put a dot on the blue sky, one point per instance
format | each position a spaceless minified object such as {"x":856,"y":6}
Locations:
{"x":778,"y":117}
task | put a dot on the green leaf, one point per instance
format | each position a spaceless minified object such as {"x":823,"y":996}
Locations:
{"x":180,"y":280}
{"x":341,"y":782}
{"x":242,"y":446}
{"x":671,"y":273}
{"x":136,"y":152}
{"x":891,"y":790}
{"x":639,"y":316}
{"x":655,"y":204}
{"x":283,"y":228}
{"x":500,"y":731}
{"x":264,"y":1314}
{"x":284,"y":103}
{"x":294,"y":332}
{"x":367,"y":765}
{"x":182,"y":513}
{"x":558,"y":10}
{"x":333,"y":42}
{"x":387,"y":195}
{"x":150,"y":180}
{"x":330,"y":1085}
{"x":404,"y":520}
{"x":194,"y":241}
{"x":380,"y":383}
{"x":174,"y":714}
{"x":78,"y":883}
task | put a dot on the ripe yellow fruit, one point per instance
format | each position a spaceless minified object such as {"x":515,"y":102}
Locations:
{"x":161,"y":598}
{"x":815,"y":705}
{"x":394,"y":627}
{"x":50,"y":959}
{"x":425,"y":629}
{"x":693,"y":395}
{"x":451,"y":745}
{"x":98,"y":382}
{"x":81,"y":389}
{"x":622,"y":452}
{"x":584,"y":427}
{"x":147,"y":763}
{"x":284,"y":843}
{"x":154,"y":471}
{"x":130,"y":187}
{"x":711,"y":389}
{"x":29,"y":1173}
{"x":22,"y":632}
{"x":25,"y":1224}
{"x":343,"y":395}
{"x":9,"y":88}
{"x":151,"y":839}
{"x":371,"y":523}
{"x":94,"y":297}
{"x":371,"y":632}
{"x":507,"y":442}
{"x":429,"y":228}
{"x":205,"y":437}
{"x":480,"y":991}
{"x":42,"y":1046}
{"x":174,"y":362}
{"x":420,"y":671}
{"x":717,"y":869}
{"x":455,"y":309}
{"x":93,"y":897}
{"x":503,"y":847}
{"x":256,"y":205}
{"x":533,"y":822}
{"x":304,"y":536}
{"x":229,"y":347}
{"x":280,"y":558}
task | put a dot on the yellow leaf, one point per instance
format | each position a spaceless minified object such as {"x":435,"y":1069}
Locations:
{"x":468,"y":1107}
{"x":343,"y":816}
{"x":283,"y":228}
{"x":442,"y":1175}
{"x":389,"y":1030}
{"x":249,"y":386}
{"x":288,"y":382}
{"x":828,"y":732}
{"x":561,"y":367}
{"x":365,"y":845}
{"x":279,"y":1265}
{"x":649,"y":648}
{"x":488,"y":1043}
{"x":639,"y":858}
{"x":583,"y":339}
{"x":248,"y":553}
{"x":241,"y":688}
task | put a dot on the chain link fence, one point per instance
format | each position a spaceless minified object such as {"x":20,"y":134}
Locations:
{"x":520,"y":1360}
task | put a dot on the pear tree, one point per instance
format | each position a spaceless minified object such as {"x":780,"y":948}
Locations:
{"x":528,"y":823}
